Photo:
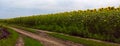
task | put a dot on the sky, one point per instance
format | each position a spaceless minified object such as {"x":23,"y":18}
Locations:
{"x":17,"y":8}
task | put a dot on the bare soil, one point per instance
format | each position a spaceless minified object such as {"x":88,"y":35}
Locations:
{"x":4,"y":33}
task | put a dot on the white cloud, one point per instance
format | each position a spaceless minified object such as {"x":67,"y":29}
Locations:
{"x":60,"y":4}
{"x":85,"y":4}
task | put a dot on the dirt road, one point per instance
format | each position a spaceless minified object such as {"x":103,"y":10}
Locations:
{"x":45,"y":39}
{"x":45,"y":35}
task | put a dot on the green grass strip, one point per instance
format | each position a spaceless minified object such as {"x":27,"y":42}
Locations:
{"x":31,"y":42}
{"x":81,"y":40}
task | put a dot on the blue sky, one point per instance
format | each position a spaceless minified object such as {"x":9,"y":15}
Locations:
{"x":17,"y":8}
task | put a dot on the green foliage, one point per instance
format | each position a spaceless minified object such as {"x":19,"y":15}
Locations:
{"x":103,"y":23}
{"x":31,"y":42}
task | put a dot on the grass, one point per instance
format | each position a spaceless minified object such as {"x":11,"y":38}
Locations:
{"x":11,"y":40}
{"x":81,"y":40}
{"x":31,"y":42}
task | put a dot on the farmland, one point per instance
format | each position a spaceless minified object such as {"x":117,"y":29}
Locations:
{"x":100,"y":24}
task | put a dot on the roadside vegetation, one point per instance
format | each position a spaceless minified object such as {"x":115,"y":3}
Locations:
{"x":102,"y":24}
{"x":84,"y":41}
